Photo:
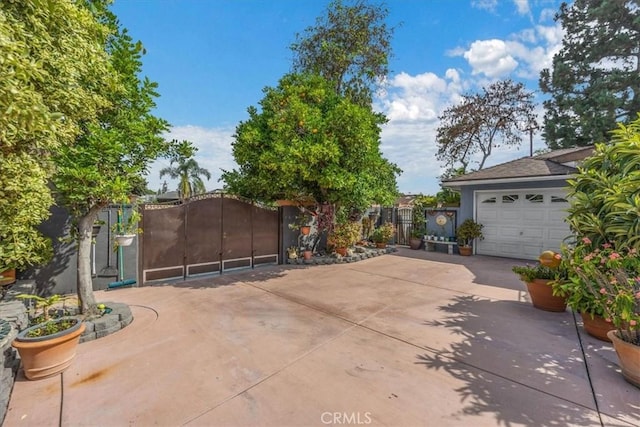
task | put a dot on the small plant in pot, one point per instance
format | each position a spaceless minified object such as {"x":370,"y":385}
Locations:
{"x":48,"y":346}
{"x":345,"y":235}
{"x":416,"y":237}
{"x":126,"y":231}
{"x":540,"y":280}
{"x":466,"y":233}
{"x":383,"y":234}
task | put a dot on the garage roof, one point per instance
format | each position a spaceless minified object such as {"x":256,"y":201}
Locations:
{"x":548,"y":165}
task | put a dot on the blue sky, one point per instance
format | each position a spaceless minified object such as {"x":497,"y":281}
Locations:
{"x":212,"y":59}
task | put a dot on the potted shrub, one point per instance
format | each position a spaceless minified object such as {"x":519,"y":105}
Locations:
{"x":48,"y":346}
{"x":416,"y":237}
{"x":344,"y":235}
{"x":382,"y":235}
{"x":540,"y":280}
{"x":603,"y":214}
{"x":466,"y":233}
{"x":301,"y":223}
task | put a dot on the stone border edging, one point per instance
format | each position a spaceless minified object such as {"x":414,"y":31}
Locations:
{"x":107,"y":324}
{"x":332,"y":259}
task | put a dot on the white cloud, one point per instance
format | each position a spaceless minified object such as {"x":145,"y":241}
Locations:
{"x":489,"y":5}
{"x":522,"y":6}
{"x":214,"y":153}
{"x":491,"y":58}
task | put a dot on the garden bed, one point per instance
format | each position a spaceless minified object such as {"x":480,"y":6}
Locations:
{"x":359,"y":253}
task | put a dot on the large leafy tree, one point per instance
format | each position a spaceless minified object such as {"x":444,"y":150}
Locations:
{"x":595,"y":78}
{"x":186,"y":169}
{"x":308,"y":142}
{"x":484,"y":121}
{"x":53,"y":70}
{"x":106,"y":161}
{"x":350,"y":46}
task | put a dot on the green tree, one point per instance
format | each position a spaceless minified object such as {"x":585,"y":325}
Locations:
{"x":187,"y":170}
{"x":482,"y":122}
{"x":53,"y":70}
{"x":594,"y":81}
{"x":106,"y":161}
{"x":308,"y":142}
{"x":350,"y":47}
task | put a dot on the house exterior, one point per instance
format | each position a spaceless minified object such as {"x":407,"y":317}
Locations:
{"x":522,"y":203}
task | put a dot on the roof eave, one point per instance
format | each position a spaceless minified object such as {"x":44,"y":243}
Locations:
{"x":458,"y":184}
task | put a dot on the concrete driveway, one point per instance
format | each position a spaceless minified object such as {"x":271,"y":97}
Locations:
{"x":409,"y":339}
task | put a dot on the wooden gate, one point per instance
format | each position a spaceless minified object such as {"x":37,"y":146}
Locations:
{"x":208,"y":234}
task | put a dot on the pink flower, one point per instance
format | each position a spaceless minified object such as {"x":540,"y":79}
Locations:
{"x":588,"y":258}
{"x":557,"y":256}
{"x":606,"y":245}
{"x":586,"y":240}
{"x":614,"y":255}
{"x":632,"y":323}
{"x":608,"y":320}
{"x":603,"y":291}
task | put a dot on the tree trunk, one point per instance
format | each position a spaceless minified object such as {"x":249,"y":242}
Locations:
{"x":86,"y":298}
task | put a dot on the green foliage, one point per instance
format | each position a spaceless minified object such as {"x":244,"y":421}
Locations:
{"x":345,"y":234}
{"x":187,"y":170}
{"x":383,"y":234}
{"x":482,"y":122}
{"x":604,"y":214}
{"x":310,"y":143}
{"x":594,"y":80}
{"x":469,"y":230}
{"x":528,"y":273}
{"x":350,"y":47}
{"x":52,"y":72}
{"x":605,"y":195}
{"x":41,"y":303}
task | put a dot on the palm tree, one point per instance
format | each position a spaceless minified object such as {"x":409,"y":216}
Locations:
{"x":188,"y":171}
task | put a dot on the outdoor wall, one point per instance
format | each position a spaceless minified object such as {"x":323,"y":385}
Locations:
{"x":60,"y":275}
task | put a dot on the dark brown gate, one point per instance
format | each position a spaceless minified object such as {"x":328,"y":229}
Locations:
{"x":208,"y":234}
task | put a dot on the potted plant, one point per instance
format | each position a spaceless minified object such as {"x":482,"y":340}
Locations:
{"x":603,"y":214}
{"x":344,"y":235}
{"x":466,"y":233}
{"x":540,"y":280}
{"x":302,"y":223}
{"x":416,"y":237}
{"x":48,"y":346}
{"x":126,"y":231}
{"x":382,"y":234}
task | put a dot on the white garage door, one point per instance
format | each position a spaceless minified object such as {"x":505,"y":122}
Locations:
{"x":521,"y":223}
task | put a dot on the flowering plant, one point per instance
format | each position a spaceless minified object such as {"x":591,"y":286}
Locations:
{"x":611,"y":277}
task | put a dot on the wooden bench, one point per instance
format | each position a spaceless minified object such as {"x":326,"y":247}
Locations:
{"x":430,"y":245}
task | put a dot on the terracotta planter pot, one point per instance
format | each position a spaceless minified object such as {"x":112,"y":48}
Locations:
{"x":381,"y":245}
{"x":305,"y":230}
{"x":414,"y":243}
{"x":629,"y":356}
{"x":543,"y":298}
{"x":342,"y":251}
{"x":46,"y":356}
{"x":465,"y":250}
{"x":596,"y":327}
{"x":8,"y":276}
{"x":307,"y":254}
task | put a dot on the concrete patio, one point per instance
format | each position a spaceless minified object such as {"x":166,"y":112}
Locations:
{"x":412,"y":338}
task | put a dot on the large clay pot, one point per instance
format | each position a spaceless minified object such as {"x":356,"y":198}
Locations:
{"x":465,"y":250}
{"x":597,"y":327}
{"x":414,"y":243}
{"x":542,"y":296}
{"x":49,"y":355}
{"x":629,"y":357}
{"x":307,"y":254}
{"x":381,"y":245}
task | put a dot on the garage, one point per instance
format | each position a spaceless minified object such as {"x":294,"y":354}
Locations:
{"x":521,"y":223}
